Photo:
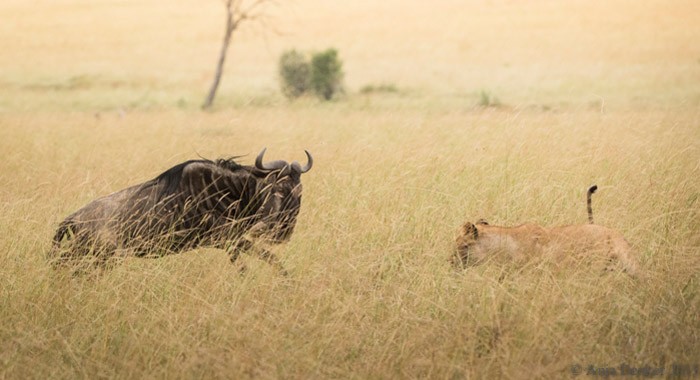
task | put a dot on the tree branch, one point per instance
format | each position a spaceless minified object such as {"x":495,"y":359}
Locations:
{"x":235,"y":15}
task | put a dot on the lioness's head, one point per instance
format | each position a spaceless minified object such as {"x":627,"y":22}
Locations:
{"x":467,"y":237}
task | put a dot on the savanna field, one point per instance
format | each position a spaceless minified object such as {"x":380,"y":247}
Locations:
{"x":451,"y":111}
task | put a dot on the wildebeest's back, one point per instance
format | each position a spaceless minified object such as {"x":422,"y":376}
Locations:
{"x":199,"y":203}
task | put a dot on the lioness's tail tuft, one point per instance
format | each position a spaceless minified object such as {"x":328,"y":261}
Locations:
{"x":591,"y":190}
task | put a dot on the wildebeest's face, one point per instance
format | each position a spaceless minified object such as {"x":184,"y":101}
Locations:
{"x":282,"y":197}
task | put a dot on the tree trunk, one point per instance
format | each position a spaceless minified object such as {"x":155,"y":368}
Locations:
{"x":230,"y":26}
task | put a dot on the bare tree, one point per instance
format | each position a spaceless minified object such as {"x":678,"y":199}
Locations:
{"x":236,"y":13}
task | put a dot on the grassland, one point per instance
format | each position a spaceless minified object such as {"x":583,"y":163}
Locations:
{"x":96,"y":96}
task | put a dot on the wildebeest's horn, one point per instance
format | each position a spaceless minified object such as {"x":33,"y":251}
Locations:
{"x":258,"y":160}
{"x":309,"y":163}
{"x":274,"y":165}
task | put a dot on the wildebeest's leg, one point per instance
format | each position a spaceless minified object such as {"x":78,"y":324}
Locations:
{"x":251,"y":241}
{"x":78,"y":249}
{"x":59,"y":255}
{"x":234,"y":249}
{"x":272,"y":259}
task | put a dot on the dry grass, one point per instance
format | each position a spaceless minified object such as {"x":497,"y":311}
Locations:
{"x":86,"y":109}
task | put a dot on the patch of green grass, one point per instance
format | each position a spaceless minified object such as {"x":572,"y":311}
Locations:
{"x":388,"y":88}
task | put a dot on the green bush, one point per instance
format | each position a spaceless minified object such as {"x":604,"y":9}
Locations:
{"x":486,"y":99}
{"x":295,"y":74}
{"x":326,"y":74}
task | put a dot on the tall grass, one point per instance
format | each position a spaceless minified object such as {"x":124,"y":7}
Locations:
{"x":371,"y":293}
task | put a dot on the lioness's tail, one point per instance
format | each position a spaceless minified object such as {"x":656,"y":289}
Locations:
{"x":591,"y":190}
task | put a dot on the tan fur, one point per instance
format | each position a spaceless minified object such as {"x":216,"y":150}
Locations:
{"x":479,"y":242}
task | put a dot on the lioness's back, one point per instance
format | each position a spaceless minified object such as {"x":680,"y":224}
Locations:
{"x":591,"y":238}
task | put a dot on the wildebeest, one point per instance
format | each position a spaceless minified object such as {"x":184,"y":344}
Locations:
{"x":198,"y":203}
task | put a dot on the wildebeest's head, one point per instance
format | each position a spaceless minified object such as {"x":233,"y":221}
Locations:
{"x":281,"y":191}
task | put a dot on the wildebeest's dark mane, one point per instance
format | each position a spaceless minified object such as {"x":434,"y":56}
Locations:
{"x":229,"y":163}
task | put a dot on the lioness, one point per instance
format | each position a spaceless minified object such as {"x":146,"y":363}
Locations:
{"x":481,"y":241}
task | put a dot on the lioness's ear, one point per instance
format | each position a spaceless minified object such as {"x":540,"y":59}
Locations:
{"x":468,"y":229}
{"x":482,"y":221}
